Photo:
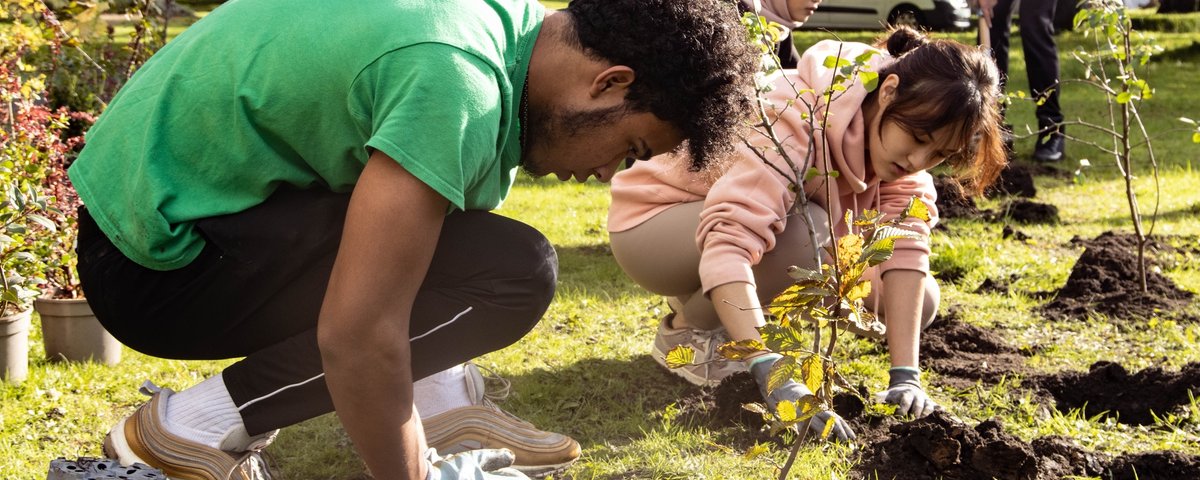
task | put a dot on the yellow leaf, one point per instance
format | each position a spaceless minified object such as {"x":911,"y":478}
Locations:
{"x":755,"y":451}
{"x":786,"y":410}
{"x":740,"y":349}
{"x":828,"y":428}
{"x":917,"y":208}
{"x":849,"y":248}
{"x":680,"y":356}
{"x":860,"y":291}
{"x":812,"y":373}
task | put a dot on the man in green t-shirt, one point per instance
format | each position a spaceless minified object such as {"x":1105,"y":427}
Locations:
{"x":306,"y":184}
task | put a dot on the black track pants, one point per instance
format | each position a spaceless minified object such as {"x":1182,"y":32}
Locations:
{"x":256,"y":291}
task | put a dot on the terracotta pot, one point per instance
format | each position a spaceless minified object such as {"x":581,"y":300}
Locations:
{"x":71,"y":332}
{"x":14,"y":346}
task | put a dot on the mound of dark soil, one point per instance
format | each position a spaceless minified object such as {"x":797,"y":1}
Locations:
{"x":1030,"y":212}
{"x":965,"y":354}
{"x":1104,"y":280}
{"x":1108,"y":388}
{"x":1160,"y":465}
{"x":1016,"y":180}
{"x":951,"y":201}
{"x":941,"y":447}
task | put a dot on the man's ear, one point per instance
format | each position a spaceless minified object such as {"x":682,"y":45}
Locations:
{"x":614,"y":79}
{"x":887,"y":89}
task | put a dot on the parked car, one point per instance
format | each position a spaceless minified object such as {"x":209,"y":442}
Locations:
{"x":875,"y":14}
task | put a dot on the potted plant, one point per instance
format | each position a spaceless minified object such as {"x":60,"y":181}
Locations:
{"x":20,"y":270}
{"x":69,"y":328}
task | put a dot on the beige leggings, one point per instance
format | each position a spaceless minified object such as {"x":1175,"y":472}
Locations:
{"x":661,"y":256}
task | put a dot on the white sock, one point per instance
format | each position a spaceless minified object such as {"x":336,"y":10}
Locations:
{"x":206,"y":414}
{"x":441,"y":392}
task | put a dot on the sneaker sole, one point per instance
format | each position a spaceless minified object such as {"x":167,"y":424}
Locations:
{"x":661,"y":358}
{"x":117,"y":447}
{"x":539,"y":471}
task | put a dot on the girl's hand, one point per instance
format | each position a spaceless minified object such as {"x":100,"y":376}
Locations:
{"x":793,"y":392}
{"x":905,"y":392}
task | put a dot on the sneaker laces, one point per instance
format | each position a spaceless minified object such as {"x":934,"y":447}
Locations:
{"x":498,"y":394}
{"x":253,"y":463}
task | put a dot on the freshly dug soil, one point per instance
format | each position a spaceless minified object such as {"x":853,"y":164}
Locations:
{"x":951,"y":201}
{"x":1016,"y":180}
{"x":1159,"y":465}
{"x":964,"y":354}
{"x":1109,"y":387}
{"x":1029,"y":212}
{"x":942,"y":447}
{"x":1104,"y":280}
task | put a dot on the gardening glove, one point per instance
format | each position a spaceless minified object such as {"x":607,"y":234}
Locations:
{"x":905,"y":392}
{"x":472,"y":465}
{"x":761,"y":369}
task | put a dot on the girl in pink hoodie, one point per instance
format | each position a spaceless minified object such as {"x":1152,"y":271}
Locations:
{"x":717,"y":245}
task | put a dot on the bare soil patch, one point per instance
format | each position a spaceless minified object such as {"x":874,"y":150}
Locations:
{"x":942,"y":447}
{"x":1109,"y":389}
{"x":964,"y":354}
{"x":1104,"y":281}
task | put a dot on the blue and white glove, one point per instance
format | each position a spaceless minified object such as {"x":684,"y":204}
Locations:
{"x":472,"y":465}
{"x":905,"y":392}
{"x":761,"y":369}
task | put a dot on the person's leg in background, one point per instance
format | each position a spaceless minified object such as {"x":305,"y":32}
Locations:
{"x":256,"y":292}
{"x":1041,"y":64}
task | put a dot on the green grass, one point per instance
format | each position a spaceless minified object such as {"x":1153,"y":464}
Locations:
{"x":585,"y":369}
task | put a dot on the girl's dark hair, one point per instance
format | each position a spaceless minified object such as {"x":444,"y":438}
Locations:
{"x":943,"y":82}
{"x":695,"y":67}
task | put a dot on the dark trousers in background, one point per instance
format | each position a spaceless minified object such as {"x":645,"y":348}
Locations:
{"x":256,"y":291}
{"x":1036,"y":25}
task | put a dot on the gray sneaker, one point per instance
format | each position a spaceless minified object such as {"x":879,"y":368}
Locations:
{"x":709,"y":368}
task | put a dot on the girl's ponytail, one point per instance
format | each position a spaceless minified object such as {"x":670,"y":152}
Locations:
{"x":903,"y":39}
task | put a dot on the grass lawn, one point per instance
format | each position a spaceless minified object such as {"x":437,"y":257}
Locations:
{"x":585,"y":370}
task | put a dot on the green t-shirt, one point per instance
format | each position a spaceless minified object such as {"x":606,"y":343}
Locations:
{"x":264,"y":93}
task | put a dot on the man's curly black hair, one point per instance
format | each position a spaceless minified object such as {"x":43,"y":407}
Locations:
{"x":694,"y":65}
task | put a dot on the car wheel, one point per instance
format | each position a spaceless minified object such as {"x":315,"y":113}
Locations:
{"x":906,"y":15}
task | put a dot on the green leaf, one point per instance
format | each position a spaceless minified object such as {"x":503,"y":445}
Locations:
{"x":870,"y":80}
{"x":781,"y":372}
{"x":878,"y":252}
{"x":680,"y":356}
{"x":1123,"y":97}
{"x":811,"y":173}
{"x":865,"y":57}
{"x":43,"y":221}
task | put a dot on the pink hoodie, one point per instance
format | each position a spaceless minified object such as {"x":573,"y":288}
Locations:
{"x":747,"y":205}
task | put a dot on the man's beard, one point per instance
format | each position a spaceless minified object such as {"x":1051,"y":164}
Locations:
{"x":560,"y":126}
